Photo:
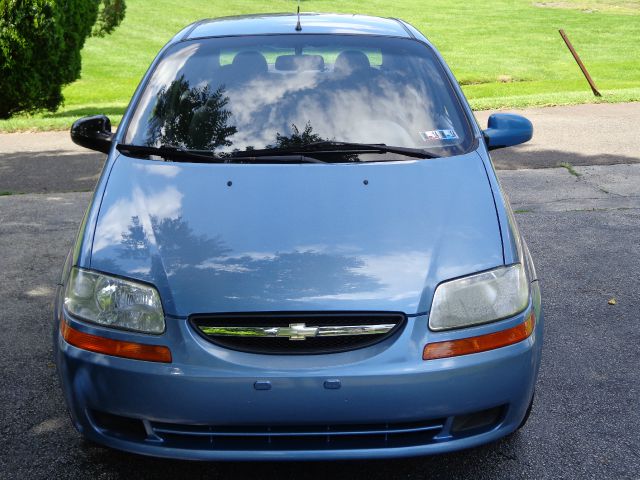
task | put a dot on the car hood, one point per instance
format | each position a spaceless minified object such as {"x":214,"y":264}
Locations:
{"x":231,"y":238}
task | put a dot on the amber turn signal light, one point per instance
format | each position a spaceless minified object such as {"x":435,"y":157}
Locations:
{"x":481,"y":343}
{"x":117,"y":348}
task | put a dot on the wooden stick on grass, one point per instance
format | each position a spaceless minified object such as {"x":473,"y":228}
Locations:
{"x":592,"y":84}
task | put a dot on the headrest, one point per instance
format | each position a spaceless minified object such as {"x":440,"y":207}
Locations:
{"x":292,"y":63}
{"x":250,"y":63}
{"x":351,"y":61}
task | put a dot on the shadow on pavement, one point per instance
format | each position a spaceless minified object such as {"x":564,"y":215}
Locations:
{"x":524,"y":157}
{"x":62,"y":171}
{"x":49,"y":171}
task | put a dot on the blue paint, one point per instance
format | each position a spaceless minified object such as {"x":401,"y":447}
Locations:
{"x":349,"y":237}
{"x":507,"y":130}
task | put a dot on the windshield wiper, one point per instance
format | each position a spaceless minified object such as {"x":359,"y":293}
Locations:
{"x":177,"y":154}
{"x":171,"y":153}
{"x":332,"y":147}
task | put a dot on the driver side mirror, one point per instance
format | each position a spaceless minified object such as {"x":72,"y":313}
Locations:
{"x":507,"y":130}
{"x":93,"y":133}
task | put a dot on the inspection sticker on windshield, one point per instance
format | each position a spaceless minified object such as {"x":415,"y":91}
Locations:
{"x":438,"y":135}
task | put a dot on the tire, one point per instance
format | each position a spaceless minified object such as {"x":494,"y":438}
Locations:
{"x":528,"y":412}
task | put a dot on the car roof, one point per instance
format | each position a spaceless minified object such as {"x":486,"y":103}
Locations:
{"x":282,"y":23}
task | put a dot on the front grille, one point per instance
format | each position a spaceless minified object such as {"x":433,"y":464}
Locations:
{"x":246,"y":341}
{"x":319,"y":437}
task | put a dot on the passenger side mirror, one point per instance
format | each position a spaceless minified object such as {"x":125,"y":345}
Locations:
{"x":507,"y":130}
{"x":93,"y":133}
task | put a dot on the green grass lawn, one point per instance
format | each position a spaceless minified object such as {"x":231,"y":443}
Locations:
{"x":505,"y":53}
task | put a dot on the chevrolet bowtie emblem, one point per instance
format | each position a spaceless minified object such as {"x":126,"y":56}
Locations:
{"x":296,"y":331}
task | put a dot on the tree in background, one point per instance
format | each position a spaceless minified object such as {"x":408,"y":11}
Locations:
{"x":110,"y":15}
{"x":40,"y":43}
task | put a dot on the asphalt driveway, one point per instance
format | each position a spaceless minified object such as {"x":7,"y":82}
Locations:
{"x":583,"y":228}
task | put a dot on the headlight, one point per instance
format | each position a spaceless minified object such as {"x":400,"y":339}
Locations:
{"x":114,"y":302}
{"x":480,"y":298}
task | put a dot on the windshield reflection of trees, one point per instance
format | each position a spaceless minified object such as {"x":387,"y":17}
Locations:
{"x":298,"y":139}
{"x":197,"y":118}
{"x":193,"y":118}
{"x":200,"y":267}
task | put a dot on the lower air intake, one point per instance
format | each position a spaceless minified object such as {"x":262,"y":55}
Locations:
{"x":320,"y":437}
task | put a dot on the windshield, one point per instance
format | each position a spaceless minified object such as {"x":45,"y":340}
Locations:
{"x":237,"y":94}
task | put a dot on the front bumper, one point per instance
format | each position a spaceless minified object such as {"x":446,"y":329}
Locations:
{"x":211,"y":403}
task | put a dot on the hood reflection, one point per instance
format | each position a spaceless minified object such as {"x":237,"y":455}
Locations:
{"x":197,"y":266}
{"x":140,"y":209}
{"x":297,"y":237}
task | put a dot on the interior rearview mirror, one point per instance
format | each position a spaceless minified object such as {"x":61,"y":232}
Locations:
{"x":507,"y":130}
{"x":93,"y":133}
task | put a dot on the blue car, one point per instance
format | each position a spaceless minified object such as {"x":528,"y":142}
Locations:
{"x":298,"y":249}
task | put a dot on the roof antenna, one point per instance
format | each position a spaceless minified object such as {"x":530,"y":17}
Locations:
{"x":298,"y":26}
